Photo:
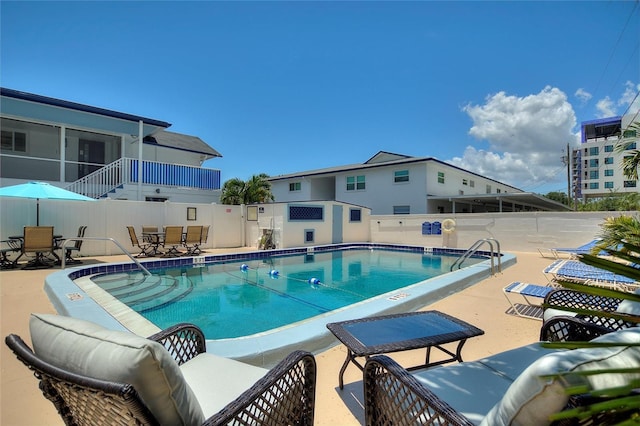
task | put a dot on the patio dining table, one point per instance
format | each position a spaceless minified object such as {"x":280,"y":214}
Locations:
{"x":156,"y":238}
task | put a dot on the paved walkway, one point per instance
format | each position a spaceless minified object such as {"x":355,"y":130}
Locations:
{"x":482,"y":305}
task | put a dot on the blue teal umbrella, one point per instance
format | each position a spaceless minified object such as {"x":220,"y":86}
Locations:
{"x":41,"y":190}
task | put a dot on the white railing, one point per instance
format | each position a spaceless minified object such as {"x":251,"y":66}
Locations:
{"x":125,"y":171}
{"x":103,"y":180}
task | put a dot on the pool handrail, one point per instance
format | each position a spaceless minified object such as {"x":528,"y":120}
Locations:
{"x":124,"y":250}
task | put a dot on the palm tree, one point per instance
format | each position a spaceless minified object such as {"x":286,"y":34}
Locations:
{"x":256,"y":190}
{"x":621,"y":242}
{"x":631,"y":160}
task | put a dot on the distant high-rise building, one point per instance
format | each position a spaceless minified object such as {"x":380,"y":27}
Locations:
{"x":596,"y":164}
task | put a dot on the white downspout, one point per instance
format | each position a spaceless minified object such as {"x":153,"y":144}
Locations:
{"x":140,"y":130}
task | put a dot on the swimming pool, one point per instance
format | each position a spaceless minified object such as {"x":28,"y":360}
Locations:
{"x":242,"y":298}
{"x":87,"y":301}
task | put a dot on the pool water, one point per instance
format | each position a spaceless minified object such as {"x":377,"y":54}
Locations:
{"x":242,"y":298}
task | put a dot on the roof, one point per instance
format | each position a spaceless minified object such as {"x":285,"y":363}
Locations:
{"x":494,"y":200}
{"x":181,"y":142}
{"x":16,"y":94}
{"x":375,"y":161}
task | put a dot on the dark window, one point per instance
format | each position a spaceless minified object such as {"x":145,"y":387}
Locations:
{"x":305,"y":213}
{"x":355,"y":215}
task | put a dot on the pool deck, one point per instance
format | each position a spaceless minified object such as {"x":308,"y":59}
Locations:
{"x":482,"y":305}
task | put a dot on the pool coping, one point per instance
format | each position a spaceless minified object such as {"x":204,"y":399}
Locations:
{"x":267,"y":348}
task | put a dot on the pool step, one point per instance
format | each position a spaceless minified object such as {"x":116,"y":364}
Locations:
{"x":152,"y":292}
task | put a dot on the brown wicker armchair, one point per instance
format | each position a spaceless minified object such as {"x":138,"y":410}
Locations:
{"x":395,"y":396}
{"x":284,"y":395}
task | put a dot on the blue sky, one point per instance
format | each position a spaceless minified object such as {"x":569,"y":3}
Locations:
{"x":498,"y":88}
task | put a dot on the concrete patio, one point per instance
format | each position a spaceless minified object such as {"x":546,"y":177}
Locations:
{"x":482,"y":305}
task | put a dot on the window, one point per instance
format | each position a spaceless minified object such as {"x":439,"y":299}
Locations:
{"x":401,"y":176}
{"x":593,"y":174}
{"x":355,"y":215}
{"x":440,"y":177}
{"x":608,"y":148}
{"x":594,"y":150}
{"x":608,"y":185}
{"x":632,"y":145}
{"x":294,"y":186}
{"x":594,"y":162}
{"x":630,"y":183}
{"x":608,"y":172}
{"x":309,"y":235}
{"x":488,"y":189}
{"x":299,"y":213}
{"x":608,"y":160}
{"x":498,"y":191}
{"x":465,"y":182}
{"x":401,"y":209}
{"x":14,"y":141}
{"x":594,"y":185}
{"x":472,"y":183}
{"x":355,"y":183}
{"x":629,"y":133}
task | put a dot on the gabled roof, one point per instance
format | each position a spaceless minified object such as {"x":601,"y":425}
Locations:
{"x":377,"y":161}
{"x":181,"y":142}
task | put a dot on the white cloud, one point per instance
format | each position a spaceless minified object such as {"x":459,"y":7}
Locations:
{"x":583,"y":95}
{"x":606,"y":108}
{"x":630,"y":95}
{"x":527,"y":137}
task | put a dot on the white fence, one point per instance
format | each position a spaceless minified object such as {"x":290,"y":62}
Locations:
{"x":230,"y":227}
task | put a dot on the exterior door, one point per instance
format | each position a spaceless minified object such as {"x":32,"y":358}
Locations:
{"x":337,"y":225}
{"x":90,"y":152}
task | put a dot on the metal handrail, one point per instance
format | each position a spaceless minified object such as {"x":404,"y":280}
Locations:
{"x":124,"y":250}
{"x":474,"y":248}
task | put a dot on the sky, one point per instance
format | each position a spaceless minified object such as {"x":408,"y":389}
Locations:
{"x":497,"y":88}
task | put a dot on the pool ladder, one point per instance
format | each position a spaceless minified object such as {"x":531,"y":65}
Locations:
{"x":474,"y":248}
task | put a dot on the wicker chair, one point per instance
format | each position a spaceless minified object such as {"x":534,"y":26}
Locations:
{"x":560,"y":298}
{"x":285,"y":395}
{"x":395,"y":396}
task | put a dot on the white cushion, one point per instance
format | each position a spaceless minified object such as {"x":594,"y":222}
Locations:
{"x":231,"y":379}
{"x":513,"y":362}
{"x":469,"y":387}
{"x":531,"y":399}
{"x":86,"y":348}
{"x":630,"y":307}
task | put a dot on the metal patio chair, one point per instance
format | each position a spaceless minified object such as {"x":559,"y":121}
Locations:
{"x":146,"y":247}
{"x":192,"y":240}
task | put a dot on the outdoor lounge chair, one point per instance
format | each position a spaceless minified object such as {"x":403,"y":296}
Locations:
{"x":505,"y":388}
{"x":97,"y":376}
{"x":574,"y":270}
{"x":9,"y":246}
{"x":68,"y":258}
{"x":571,"y":252}
{"x":38,"y":240}
{"x":566,"y":302}
{"x":172,"y":240}
{"x":192,"y":240}
{"x":146,"y":247}
{"x":530,"y":310}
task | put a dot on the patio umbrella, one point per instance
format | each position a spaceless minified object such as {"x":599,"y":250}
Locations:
{"x":40,"y":190}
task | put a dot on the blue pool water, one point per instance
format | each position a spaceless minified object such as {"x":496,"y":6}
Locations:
{"x":242,"y":298}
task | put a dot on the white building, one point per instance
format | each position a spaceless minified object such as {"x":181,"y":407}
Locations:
{"x":390,"y":183}
{"x":597,"y":166}
{"x":101,"y":153}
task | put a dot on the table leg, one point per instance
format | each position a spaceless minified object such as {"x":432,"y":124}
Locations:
{"x":344,"y":368}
